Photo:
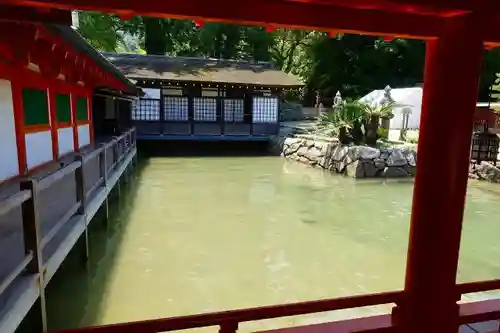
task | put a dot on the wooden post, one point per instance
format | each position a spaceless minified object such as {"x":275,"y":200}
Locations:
{"x":162,"y":111}
{"x":31,"y":228}
{"x":191,"y":112}
{"x":118,"y":182}
{"x":430,"y":302}
{"x":103,"y":172}
{"x":80,"y":197}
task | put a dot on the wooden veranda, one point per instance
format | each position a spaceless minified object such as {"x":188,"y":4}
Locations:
{"x":42,"y":218}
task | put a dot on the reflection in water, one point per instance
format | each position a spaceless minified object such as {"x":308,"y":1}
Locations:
{"x":206,"y":234}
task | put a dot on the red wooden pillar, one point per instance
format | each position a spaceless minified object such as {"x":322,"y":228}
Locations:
{"x":452,"y":67}
{"x":73,"y":104}
{"x":53,"y":122}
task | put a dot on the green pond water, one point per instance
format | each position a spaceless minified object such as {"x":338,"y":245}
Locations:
{"x":200,"y":234}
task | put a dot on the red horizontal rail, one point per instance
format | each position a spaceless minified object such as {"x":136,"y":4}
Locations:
{"x":229,"y":320}
{"x":233,"y":317}
{"x":478,"y":286}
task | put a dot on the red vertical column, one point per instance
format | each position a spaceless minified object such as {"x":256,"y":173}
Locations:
{"x":73,"y":104}
{"x":53,"y":122}
{"x":452,"y":68}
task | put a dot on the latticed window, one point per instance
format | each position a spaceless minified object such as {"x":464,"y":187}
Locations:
{"x":234,"y":110}
{"x":63,"y":108}
{"x":176,"y":108}
{"x":265,"y":109}
{"x":35,"y":107}
{"x":82,"y":113}
{"x":205,"y":109}
{"x":146,"y":109}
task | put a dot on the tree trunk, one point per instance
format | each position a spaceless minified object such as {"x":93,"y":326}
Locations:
{"x":386,"y":124}
{"x":372,"y":130}
{"x":357,"y":133}
{"x":155,"y":41}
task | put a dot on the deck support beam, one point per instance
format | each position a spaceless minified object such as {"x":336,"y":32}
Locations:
{"x":452,"y":68}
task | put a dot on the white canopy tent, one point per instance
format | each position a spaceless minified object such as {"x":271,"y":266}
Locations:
{"x":410,"y":100}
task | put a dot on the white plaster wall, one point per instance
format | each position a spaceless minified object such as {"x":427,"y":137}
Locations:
{"x":83,"y":135}
{"x":209,"y":92}
{"x":38,"y":148}
{"x":9,"y":166}
{"x":65,"y":137}
{"x":172,"y":91}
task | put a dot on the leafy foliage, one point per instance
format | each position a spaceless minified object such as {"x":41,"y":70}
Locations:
{"x":355,"y":121}
{"x":352,"y":64}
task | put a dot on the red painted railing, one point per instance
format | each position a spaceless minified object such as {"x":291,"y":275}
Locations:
{"x":228,"y":321}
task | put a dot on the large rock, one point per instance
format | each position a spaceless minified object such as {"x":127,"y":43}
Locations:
{"x":396,"y":158}
{"x":368,"y":153}
{"x":370,"y":170}
{"x":379,"y":163}
{"x":395,"y":172}
{"x":339,"y":153}
{"x":355,"y":169}
{"x":355,"y":161}
{"x":488,"y":171}
{"x":410,"y":155}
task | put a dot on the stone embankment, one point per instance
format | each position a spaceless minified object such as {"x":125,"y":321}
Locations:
{"x":485,"y":171}
{"x":354,"y":161}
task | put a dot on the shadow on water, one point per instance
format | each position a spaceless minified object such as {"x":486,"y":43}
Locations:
{"x":206,"y":148}
{"x":76,"y":293}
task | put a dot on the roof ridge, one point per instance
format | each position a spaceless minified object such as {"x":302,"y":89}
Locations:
{"x":137,"y":55}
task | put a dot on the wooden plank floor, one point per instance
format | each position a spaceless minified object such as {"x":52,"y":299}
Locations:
{"x":55,"y":202}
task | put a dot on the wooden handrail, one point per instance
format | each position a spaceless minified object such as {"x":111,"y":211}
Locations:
{"x":98,"y":184}
{"x":233,"y":317}
{"x":229,"y":320}
{"x":58,"y":175}
{"x":60,"y":223}
{"x":478,"y":286}
{"x":16,"y":272}
{"x":13,"y":201}
{"x":92,"y":155}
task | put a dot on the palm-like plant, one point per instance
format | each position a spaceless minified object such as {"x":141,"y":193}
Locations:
{"x":355,"y":121}
{"x":372,"y":115}
{"x":340,"y":120}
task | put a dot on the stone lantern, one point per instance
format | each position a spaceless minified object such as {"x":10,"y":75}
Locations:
{"x":386,"y":122}
{"x":337,"y":100}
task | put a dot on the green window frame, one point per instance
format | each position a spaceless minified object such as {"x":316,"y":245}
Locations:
{"x":81,"y":109}
{"x":63,"y":108}
{"x":35,"y":107}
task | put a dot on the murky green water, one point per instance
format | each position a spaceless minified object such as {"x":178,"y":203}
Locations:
{"x":205,"y":234}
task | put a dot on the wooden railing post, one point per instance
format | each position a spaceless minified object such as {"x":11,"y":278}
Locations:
{"x":134,"y":145}
{"x":103,"y":166}
{"x":80,"y":197}
{"x":115,"y":150}
{"x":231,"y":327}
{"x":31,"y":228}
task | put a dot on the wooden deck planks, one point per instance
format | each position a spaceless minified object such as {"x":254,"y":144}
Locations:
{"x":55,"y":202}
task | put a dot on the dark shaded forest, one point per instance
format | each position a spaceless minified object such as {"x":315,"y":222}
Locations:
{"x":351,"y":64}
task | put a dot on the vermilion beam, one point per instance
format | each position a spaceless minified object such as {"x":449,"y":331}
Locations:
{"x":464,"y":5}
{"x":30,"y":14}
{"x":407,"y":23}
{"x":260,"y":12}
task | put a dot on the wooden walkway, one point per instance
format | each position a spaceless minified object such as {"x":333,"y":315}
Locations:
{"x":42,"y":218}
